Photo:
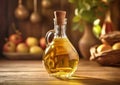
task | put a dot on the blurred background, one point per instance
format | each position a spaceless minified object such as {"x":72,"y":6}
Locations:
{"x":45,"y":9}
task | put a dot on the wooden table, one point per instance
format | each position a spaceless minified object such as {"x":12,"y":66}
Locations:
{"x":32,"y":72}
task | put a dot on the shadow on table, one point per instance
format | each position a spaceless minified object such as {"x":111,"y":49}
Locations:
{"x":75,"y":80}
{"x":80,"y":80}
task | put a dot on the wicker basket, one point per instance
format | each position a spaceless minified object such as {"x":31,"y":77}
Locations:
{"x":111,"y":37}
{"x":109,"y":57}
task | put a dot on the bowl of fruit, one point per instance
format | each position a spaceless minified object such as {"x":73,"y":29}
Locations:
{"x":107,"y":53}
{"x":17,"y":48}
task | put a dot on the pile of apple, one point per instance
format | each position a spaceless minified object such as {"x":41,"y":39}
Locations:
{"x":106,"y":29}
{"x":105,"y":47}
{"x":106,"y":53}
{"x":16,"y":44}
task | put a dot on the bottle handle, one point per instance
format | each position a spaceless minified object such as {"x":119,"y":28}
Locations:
{"x":48,"y":36}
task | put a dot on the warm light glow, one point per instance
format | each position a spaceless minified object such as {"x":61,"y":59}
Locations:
{"x":104,"y":1}
{"x":96,"y":22}
{"x":76,"y":12}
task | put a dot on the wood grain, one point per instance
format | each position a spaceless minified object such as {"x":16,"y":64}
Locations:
{"x":32,"y":72}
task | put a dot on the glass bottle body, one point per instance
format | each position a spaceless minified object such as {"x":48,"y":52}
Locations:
{"x":60,"y":57}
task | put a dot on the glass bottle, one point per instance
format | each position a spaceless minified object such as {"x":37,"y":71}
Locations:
{"x":60,"y":57}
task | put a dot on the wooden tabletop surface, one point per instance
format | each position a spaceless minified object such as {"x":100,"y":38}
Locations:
{"x":32,"y":72}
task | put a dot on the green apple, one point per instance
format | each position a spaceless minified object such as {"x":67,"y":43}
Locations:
{"x":32,"y":41}
{"x":22,"y":48}
{"x":36,"y":50}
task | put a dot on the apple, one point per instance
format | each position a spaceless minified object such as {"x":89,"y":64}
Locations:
{"x":22,"y":48}
{"x":9,"y":47}
{"x":116,"y":46}
{"x":36,"y":50}
{"x":31,"y":41}
{"x":15,"y":38}
{"x":103,"y":47}
{"x":42,"y":43}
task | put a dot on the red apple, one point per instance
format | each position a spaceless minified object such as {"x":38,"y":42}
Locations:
{"x":22,"y":48}
{"x":15,"y":38}
{"x":9,"y":47}
{"x":31,"y":41}
{"x":42,"y":43}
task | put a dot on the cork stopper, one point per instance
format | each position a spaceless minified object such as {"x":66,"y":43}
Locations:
{"x":60,"y":16}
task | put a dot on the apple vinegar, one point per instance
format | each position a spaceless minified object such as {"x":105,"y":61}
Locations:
{"x":60,"y":57}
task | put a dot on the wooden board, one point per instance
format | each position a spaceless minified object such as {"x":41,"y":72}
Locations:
{"x":32,"y":72}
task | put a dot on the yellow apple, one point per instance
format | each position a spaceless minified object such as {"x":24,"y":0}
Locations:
{"x":22,"y":48}
{"x":36,"y":50}
{"x":116,"y":46}
{"x":103,"y":47}
{"x":32,"y":41}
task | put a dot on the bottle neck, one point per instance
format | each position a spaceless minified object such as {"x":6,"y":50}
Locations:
{"x":60,"y":29}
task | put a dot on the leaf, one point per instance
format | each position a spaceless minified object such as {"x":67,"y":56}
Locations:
{"x":97,"y":30}
{"x":86,"y":5}
{"x":88,"y":11}
{"x":88,"y":16}
{"x":78,"y":26}
{"x":75,"y":26}
{"x":76,"y":18}
{"x":71,"y":1}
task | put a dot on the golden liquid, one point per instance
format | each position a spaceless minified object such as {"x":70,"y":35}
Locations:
{"x":61,"y":59}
